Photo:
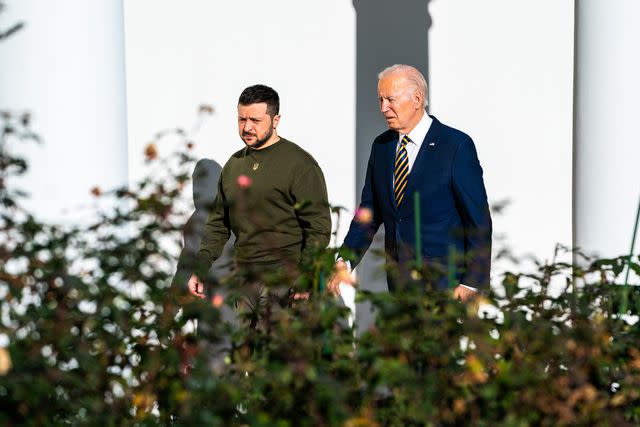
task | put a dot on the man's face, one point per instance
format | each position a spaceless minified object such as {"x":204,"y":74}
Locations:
{"x":400,"y":103}
{"x":255,"y":125}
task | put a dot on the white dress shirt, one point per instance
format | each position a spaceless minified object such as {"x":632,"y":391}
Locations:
{"x":417,"y":135}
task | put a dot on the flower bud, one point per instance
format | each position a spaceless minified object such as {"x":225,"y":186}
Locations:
{"x":364,"y":215}
{"x":217,"y":301}
{"x":244,"y":181}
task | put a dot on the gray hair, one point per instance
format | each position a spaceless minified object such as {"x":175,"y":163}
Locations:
{"x":415,"y":78}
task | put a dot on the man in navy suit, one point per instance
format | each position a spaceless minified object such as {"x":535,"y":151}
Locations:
{"x":419,"y":154}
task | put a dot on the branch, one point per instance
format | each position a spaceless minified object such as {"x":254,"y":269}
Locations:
{"x":6,"y":34}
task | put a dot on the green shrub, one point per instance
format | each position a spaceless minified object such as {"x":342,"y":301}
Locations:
{"x":93,"y":333}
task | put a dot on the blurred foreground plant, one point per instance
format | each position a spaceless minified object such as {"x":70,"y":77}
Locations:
{"x":93,"y":332}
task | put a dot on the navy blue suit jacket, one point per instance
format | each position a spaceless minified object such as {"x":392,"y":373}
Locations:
{"x":454,"y":213}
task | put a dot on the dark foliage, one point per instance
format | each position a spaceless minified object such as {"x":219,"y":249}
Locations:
{"x":94,"y":333}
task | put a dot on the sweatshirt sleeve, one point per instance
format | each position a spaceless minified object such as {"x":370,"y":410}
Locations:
{"x":309,"y":192}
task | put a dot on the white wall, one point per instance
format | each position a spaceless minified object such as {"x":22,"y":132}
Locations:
{"x":606,"y":128}
{"x":182,"y":54}
{"x":67,"y":67}
{"x":499,"y":70}
{"x":502,"y":71}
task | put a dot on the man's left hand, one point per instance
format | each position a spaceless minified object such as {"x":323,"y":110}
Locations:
{"x":340,"y":274}
{"x":463,"y":294}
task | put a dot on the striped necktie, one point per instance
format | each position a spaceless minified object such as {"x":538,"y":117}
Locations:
{"x":401,"y":173}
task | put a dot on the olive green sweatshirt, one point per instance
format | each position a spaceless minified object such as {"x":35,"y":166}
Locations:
{"x":275,"y":202}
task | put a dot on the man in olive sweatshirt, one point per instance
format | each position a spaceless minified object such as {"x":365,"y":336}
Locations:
{"x":271,"y":194}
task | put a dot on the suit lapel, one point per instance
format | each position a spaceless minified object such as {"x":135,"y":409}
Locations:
{"x":427,"y":149}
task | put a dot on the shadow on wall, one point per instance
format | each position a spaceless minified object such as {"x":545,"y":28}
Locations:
{"x":205,"y":189}
{"x":388,"y":32}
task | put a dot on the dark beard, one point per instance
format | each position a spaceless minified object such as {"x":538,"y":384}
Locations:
{"x":261,"y":141}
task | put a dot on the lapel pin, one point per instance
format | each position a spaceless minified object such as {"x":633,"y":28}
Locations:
{"x":432,"y":144}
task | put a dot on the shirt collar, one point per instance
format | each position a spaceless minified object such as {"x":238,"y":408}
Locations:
{"x":419,"y":132}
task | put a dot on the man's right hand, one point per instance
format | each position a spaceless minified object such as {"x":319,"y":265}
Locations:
{"x":340,"y":275}
{"x":196,"y":287}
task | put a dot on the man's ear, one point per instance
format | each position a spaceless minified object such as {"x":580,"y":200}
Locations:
{"x":276,"y":120}
{"x":418,"y":100}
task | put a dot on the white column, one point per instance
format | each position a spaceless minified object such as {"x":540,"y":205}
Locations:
{"x":607,"y":125}
{"x":67,"y":67}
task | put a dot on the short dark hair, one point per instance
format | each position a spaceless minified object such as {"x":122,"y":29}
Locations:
{"x":260,"y":93}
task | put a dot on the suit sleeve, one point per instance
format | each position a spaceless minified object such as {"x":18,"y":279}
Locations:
{"x":312,"y":210}
{"x":364,"y":226}
{"x":471,"y":201}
